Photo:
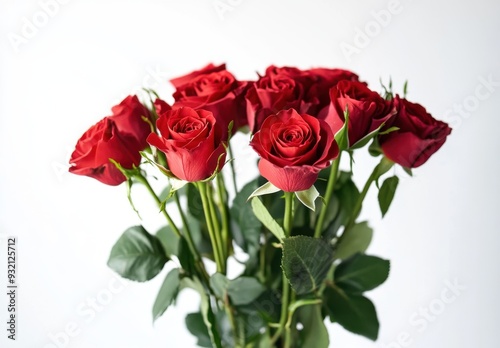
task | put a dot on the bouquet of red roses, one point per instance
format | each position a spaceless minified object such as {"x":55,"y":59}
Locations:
{"x":296,"y":224}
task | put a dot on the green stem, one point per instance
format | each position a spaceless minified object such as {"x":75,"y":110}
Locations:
{"x":285,"y":298}
{"x":192,"y":247}
{"x":334,"y":170}
{"x":203,"y":188}
{"x":145,"y":182}
{"x":217,"y":230}
{"x":221,"y":190}
{"x":288,"y":330}
{"x":287,"y":221}
{"x":231,"y":165}
{"x":380,"y":169}
{"x":284,"y":309}
{"x":262,"y":259}
{"x":232,"y":321}
{"x":187,"y":231}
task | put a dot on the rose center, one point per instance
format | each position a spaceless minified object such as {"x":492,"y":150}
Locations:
{"x":188,"y":125}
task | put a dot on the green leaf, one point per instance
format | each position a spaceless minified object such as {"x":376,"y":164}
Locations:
{"x":263,"y":215}
{"x":383,"y":167}
{"x":361,"y":273}
{"x":345,"y":195}
{"x":165,"y":194}
{"x":200,"y":235}
{"x":355,"y":241}
{"x":306,"y":261}
{"x":355,"y":313}
{"x":167,"y":294}
{"x":264,"y":341}
{"x":242,"y":214}
{"x":137,"y":255}
{"x":374,"y":149}
{"x":195,"y":206}
{"x":244,"y":290}
{"x":219,"y":284}
{"x":389,"y":130}
{"x":196,"y":326}
{"x":408,"y":171}
{"x":314,"y":334}
{"x":342,"y":136}
{"x":206,"y":310}
{"x":161,"y":168}
{"x":308,"y":197}
{"x":176,"y":184}
{"x":168,"y":239}
{"x":265,"y":189}
{"x":186,"y":258}
{"x":386,"y":193}
{"x":366,"y":139}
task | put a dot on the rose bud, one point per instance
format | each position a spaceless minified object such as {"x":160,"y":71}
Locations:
{"x":418,"y":137}
{"x":293,"y":149}
{"x":98,"y":145}
{"x":193,"y":143}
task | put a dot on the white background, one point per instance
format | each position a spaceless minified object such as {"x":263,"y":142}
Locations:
{"x":64,"y":74}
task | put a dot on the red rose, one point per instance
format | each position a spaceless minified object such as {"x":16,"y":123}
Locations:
{"x":193,"y":143}
{"x":293,"y":149}
{"x":288,"y":87}
{"x":321,"y":81}
{"x":419,"y":135}
{"x":367,"y":110}
{"x":128,"y":119}
{"x":213,"y":89}
{"x":98,"y":145}
{"x":271,"y":94}
{"x":161,"y":106}
{"x":210,"y":68}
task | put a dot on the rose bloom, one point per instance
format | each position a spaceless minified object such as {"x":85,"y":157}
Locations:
{"x":214,"y":89}
{"x":293,"y":148}
{"x":193,"y":143}
{"x":98,"y":145}
{"x":287,"y":87}
{"x":128,"y":119}
{"x":120,"y":137}
{"x":419,"y":135}
{"x":367,"y":110}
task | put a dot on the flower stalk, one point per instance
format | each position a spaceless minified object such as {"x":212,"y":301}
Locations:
{"x":332,"y":179}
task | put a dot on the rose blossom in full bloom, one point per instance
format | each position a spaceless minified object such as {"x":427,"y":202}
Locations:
{"x":293,"y":149}
{"x":193,"y":143}
{"x":214,"y":89}
{"x":287,"y":87}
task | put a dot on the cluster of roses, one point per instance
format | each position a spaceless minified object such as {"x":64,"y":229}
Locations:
{"x":293,"y":115}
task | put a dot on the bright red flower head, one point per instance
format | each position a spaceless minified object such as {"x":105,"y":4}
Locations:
{"x":214,"y":89}
{"x":98,"y":145}
{"x":193,"y":143}
{"x":293,"y":149}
